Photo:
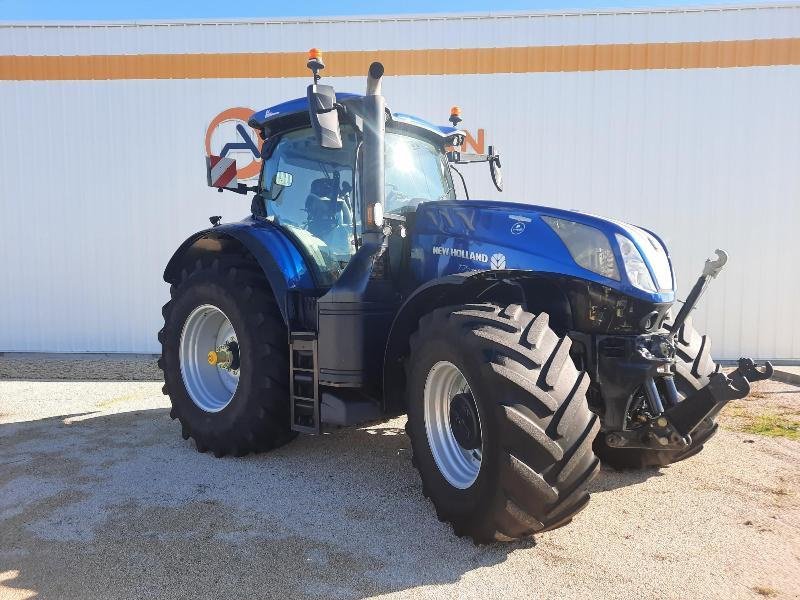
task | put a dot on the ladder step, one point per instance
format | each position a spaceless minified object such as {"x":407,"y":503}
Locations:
{"x":305,"y":403}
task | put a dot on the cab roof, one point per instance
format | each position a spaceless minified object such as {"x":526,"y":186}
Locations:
{"x":269,"y":118}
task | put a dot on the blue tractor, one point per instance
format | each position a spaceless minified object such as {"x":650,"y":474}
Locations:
{"x":525,"y":343}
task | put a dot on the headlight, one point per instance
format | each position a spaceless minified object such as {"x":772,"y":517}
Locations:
{"x":656,"y":255}
{"x":588,"y":246}
{"x":635,"y":266}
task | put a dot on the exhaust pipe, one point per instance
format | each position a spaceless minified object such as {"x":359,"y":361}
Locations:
{"x":374,"y":79}
{"x":372,"y":182}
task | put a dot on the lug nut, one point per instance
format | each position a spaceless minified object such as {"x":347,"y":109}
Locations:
{"x":663,"y":441}
{"x":661,"y":422}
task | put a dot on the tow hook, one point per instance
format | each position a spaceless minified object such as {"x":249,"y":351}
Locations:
{"x":748,"y":369}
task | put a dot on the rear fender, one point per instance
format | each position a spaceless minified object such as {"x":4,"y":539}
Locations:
{"x":281,"y":262}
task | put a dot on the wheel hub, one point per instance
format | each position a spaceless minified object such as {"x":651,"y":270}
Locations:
{"x":209,"y":376}
{"x":225,"y":356}
{"x":452,"y":425}
{"x":464,"y":421}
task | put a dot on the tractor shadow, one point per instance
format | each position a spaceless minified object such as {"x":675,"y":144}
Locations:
{"x":118,"y":505}
{"x":609,"y":479}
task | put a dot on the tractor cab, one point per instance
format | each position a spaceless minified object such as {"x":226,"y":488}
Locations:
{"x":325,"y":153}
{"x":312,"y":191}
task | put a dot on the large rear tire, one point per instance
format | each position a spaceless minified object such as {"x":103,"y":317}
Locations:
{"x":693,"y":367}
{"x":509,"y":378}
{"x":245,"y":406}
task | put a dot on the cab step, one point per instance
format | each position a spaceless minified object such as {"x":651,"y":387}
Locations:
{"x":305,"y":404}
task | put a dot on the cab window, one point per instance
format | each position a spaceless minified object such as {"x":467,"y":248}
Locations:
{"x":416,"y":171}
{"x":308,"y":190}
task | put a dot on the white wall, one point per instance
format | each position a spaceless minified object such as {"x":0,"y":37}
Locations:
{"x":103,"y":179}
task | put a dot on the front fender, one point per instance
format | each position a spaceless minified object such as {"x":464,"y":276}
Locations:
{"x":538,"y":292}
{"x":457,"y":288}
{"x":284,"y":267}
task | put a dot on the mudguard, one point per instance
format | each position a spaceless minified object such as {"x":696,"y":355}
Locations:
{"x":457,"y":288}
{"x":279,"y":259}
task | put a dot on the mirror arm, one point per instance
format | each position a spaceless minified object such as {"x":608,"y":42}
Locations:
{"x":465,"y":158}
{"x":349,"y":117}
{"x":240,"y":189}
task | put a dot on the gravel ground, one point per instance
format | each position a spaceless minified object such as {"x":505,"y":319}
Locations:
{"x":101,"y":498}
{"x":80,"y":367}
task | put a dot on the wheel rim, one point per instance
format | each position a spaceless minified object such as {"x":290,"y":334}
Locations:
{"x":446,"y":389}
{"x":208,"y":330}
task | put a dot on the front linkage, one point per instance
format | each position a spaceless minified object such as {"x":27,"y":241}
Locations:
{"x":672,"y":429}
{"x":648,"y":357}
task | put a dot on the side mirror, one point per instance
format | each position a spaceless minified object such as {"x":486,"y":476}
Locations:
{"x":324,"y":116}
{"x":494,"y":169}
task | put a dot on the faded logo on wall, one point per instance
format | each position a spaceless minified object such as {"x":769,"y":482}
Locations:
{"x":228,"y":134}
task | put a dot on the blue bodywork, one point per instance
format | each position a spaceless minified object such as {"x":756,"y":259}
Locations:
{"x":474,"y":235}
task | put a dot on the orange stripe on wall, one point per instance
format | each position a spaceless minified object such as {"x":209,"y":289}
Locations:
{"x":460,"y":61}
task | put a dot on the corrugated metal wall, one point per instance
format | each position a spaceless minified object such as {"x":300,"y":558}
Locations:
{"x":103,"y":178}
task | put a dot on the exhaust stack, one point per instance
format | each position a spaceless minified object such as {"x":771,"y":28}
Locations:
{"x":374,"y":115}
{"x":374,"y":79}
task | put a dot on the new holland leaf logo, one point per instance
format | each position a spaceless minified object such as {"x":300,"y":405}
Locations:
{"x":498,"y":261}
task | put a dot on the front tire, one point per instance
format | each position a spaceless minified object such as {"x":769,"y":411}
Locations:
{"x":514,"y":455}
{"x":244,"y":406}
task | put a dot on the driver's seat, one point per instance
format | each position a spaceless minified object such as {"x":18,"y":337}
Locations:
{"x":329,"y":218}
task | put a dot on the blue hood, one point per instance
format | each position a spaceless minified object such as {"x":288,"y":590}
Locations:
{"x":465,"y":235}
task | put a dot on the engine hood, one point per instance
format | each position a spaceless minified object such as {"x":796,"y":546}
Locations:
{"x":466,"y":235}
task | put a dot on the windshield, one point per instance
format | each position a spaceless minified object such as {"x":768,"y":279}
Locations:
{"x":416,"y":171}
{"x":308,"y":190}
